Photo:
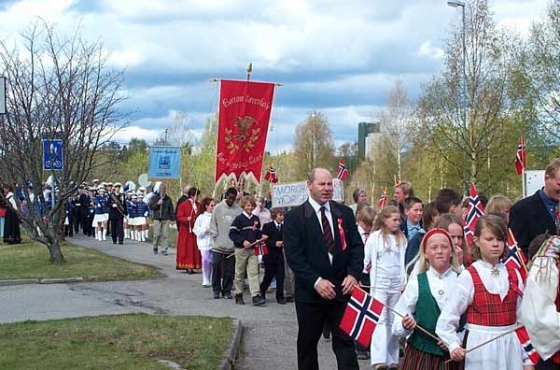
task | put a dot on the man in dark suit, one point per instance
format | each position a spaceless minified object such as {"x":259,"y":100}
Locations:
{"x":326,"y":253}
{"x":274,"y":259}
{"x":538,"y":213}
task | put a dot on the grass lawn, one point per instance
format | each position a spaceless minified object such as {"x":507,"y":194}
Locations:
{"x":30,"y":260}
{"x":135,"y":341}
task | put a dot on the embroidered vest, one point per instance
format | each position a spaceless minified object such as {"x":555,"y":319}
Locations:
{"x":488,"y":309}
{"x":427,"y":314}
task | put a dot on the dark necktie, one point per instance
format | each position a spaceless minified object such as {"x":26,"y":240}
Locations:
{"x":327,"y":233}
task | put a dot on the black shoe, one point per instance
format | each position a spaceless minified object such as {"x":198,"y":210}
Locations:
{"x":227,"y":295}
{"x":121,"y":243}
{"x":290,"y":299}
{"x":258,"y":300}
{"x":281,"y":301}
{"x":155,"y":250}
{"x":216,"y":295}
{"x":239,"y":299}
{"x":190,"y":271}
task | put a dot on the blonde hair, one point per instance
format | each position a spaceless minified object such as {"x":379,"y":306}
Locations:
{"x":366,"y":215}
{"x":424,"y":264}
{"x":379,"y":224}
{"x":498,"y":204}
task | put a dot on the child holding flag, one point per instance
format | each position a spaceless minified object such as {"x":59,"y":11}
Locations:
{"x":490,"y":295}
{"x":384,"y":261}
{"x":422,"y":302}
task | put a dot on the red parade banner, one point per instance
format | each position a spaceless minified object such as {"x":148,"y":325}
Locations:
{"x":245,"y":108}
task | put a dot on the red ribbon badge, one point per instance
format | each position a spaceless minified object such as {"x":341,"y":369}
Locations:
{"x":341,"y":234}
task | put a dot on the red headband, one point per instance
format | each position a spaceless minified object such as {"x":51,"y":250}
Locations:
{"x":433,"y":232}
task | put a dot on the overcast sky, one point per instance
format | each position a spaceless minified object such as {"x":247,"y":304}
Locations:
{"x":339,"y":57}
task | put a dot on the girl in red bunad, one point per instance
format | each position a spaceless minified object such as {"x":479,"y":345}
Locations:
{"x":188,"y":255}
{"x":489,"y":294}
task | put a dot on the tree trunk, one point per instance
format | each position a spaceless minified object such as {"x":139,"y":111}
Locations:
{"x":55,"y":251}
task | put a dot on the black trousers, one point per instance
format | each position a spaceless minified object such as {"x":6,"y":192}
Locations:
{"x":311,"y":320}
{"x":76,"y":219}
{"x":117,"y":231}
{"x":273,"y":267}
{"x":223,"y":269}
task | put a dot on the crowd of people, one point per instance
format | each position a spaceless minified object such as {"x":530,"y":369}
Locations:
{"x":445,"y":298}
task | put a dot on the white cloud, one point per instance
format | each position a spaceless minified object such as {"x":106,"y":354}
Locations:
{"x":339,"y":57}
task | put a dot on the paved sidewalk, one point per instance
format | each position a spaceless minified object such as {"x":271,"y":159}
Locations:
{"x":269,"y":338}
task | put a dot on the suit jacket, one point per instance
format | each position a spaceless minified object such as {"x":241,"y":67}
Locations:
{"x":274,"y":235}
{"x":307,"y":255}
{"x":529,"y":218}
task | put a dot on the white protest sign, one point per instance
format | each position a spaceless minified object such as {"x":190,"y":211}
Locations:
{"x":534,"y":181}
{"x":295,"y":193}
{"x":338,"y":190}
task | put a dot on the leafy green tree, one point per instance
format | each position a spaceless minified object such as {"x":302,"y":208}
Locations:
{"x":313,"y":145}
{"x":57,"y":88}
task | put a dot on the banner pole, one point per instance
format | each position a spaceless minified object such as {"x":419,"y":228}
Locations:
{"x":249,"y":71}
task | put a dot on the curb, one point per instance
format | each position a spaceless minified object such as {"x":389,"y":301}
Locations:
{"x":228,"y":363}
{"x":18,"y":282}
{"x":41,"y":281}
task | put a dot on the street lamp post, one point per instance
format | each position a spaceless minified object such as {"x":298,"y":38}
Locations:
{"x":461,"y":4}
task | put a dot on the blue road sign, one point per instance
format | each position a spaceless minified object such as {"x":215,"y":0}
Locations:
{"x":53,"y":155}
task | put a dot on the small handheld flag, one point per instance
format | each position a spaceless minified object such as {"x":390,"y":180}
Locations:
{"x":475,"y":210}
{"x":382,"y":202}
{"x":525,"y":341}
{"x":270,"y":175}
{"x":361,"y":316}
{"x":515,"y":258}
{"x":342,"y":172}
{"x":261,"y":249}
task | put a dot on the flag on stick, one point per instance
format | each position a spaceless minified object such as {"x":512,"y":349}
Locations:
{"x":361,"y":316}
{"x":342,"y":172}
{"x":525,"y":341}
{"x":475,"y":210}
{"x":382,"y":202}
{"x":520,"y":157}
{"x":261,"y":249}
{"x":270,"y":175}
{"x":516,"y":258}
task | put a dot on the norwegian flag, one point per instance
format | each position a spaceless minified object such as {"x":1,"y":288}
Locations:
{"x":342,"y":172}
{"x":520,"y":157}
{"x":382,"y":202}
{"x":261,"y":249}
{"x":475,"y":210}
{"x":270,"y":175}
{"x":361,"y":316}
{"x":516,"y":258}
{"x":525,"y":341}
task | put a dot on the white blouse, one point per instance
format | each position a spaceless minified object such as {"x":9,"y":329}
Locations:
{"x":441,"y":286}
{"x":462,"y":296}
{"x":204,"y":239}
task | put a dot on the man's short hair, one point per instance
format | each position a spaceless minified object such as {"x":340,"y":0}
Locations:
{"x":356,"y":194}
{"x":275,"y":212}
{"x":552,"y":168}
{"x":406,"y":188}
{"x":410,"y":202}
{"x":247,"y":199}
{"x":231,"y":191}
{"x":445,"y":199}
